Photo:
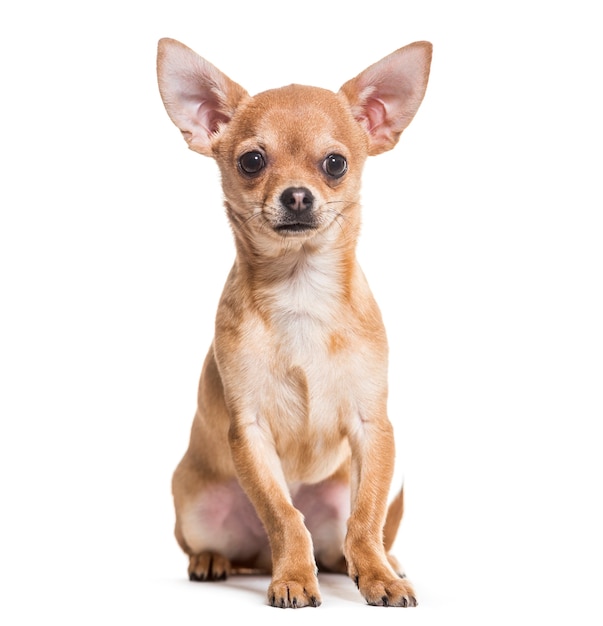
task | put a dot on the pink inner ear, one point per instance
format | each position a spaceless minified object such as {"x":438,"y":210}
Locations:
{"x":374,"y":113}
{"x":209,"y":117}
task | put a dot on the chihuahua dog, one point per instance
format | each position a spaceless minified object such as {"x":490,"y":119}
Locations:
{"x":291,"y":453}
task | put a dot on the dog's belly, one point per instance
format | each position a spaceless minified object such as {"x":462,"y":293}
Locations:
{"x":222,"y":519}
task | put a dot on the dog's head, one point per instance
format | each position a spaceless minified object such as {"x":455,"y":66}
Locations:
{"x":291,"y":158}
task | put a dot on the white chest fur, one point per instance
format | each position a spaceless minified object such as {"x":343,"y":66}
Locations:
{"x":305,"y":304}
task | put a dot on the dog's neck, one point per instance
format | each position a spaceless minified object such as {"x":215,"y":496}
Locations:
{"x":301,"y":280}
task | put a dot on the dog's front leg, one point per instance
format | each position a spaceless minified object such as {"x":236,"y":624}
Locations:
{"x":294,"y":582}
{"x":373,"y":452}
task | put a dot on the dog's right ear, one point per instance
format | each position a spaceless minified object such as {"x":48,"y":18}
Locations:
{"x":197,"y":96}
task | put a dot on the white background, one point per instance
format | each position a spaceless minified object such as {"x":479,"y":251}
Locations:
{"x":482,"y":240}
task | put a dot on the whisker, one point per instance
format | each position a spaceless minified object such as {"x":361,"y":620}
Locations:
{"x":253,"y":214}
{"x":332,"y":211}
{"x":339,"y":217}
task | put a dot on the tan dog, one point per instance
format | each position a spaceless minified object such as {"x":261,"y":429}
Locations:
{"x":291,"y":453}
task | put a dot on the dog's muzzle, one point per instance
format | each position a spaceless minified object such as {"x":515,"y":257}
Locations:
{"x":297,"y":210}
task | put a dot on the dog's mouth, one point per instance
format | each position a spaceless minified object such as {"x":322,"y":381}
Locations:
{"x":295,"y":227}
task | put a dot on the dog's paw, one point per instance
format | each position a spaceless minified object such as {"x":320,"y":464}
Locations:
{"x":294,"y":594}
{"x":391,"y":592}
{"x":388,"y":592}
{"x":208,"y":566}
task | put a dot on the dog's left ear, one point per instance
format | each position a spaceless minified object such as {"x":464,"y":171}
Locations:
{"x":385,"y":97}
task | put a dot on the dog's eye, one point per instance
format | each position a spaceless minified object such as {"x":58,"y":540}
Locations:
{"x":335,"y":165}
{"x":252,"y":162}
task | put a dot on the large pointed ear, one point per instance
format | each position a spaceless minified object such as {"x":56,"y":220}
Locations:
{"x":385,"y":97}
{"x":198,"y":97}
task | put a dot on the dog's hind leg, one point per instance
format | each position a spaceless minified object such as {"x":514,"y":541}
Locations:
{"x":208,"y":566}
{"x":217,"y":527}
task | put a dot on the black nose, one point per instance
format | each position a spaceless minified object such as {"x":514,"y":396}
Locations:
{"x":297,"y":199}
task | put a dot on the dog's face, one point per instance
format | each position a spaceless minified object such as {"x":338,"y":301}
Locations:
{"x":291,"y":158}
{"x":291,"y":162}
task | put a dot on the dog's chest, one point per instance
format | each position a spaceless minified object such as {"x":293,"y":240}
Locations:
{"x":306,"y":302}
{"x":304,"y":368}
{"x":315,"y":358}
